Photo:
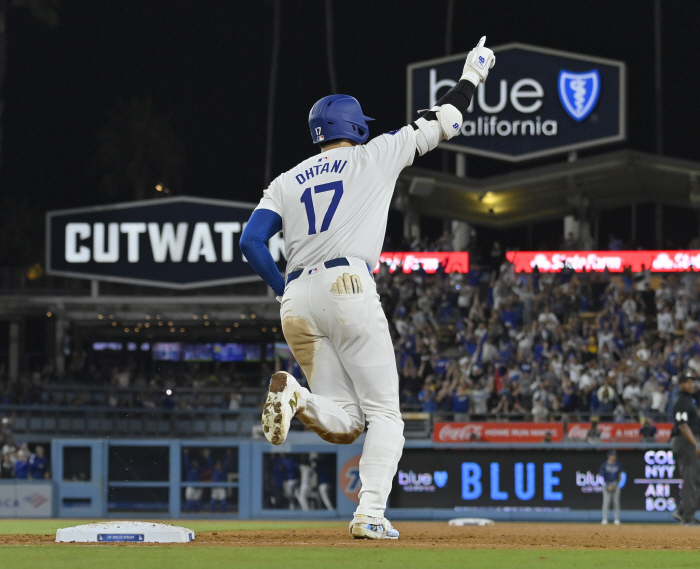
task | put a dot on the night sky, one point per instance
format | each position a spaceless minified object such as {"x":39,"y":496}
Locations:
{"x":206,"y":63}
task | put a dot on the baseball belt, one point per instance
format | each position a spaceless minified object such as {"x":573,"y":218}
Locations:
{"x":339,"y":262}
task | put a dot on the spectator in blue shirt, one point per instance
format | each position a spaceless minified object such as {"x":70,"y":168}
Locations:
{"x":291,"y":480}
{"x":325,"y":469}
{"x":469,"y":342}
{"x":671,"y":365}
{"x":38,"y":464}
{"x":648,"y":431}
{"x":279,"y":469}
{"x":439,"y":365}
{"x":285,"y":480}
{"x":193,"y":473}
{"x":427,"y":396}
{"x":611,"y":472}
{"x":446,"y":310}
{"x":509,"y":315}
{"x":219,"y":474}
{"x":22,"y":465}
{"x":460,"y":403}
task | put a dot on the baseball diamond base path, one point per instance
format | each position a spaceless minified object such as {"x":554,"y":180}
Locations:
{"x":435,"y":535}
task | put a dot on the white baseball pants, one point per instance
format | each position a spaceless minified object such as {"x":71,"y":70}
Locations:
{"x":218,"y":494}
{"x":192,"y":493}
{"x":342,"y":344}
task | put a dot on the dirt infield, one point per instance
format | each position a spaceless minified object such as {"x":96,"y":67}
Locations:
{"x":438,"y":535}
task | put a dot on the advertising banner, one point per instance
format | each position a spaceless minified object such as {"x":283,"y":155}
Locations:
{"x":26,"y":500}
{"x":8,"y":501}
{"x":179,"y":243}
{"x":497,"y":432}
{"x":517,"y":432}
{"x":451,"y":262}
{"x":618,"y":432}
{"x":600,"y":261}
{"x":536,"y":102}
{"x":543,"y":480}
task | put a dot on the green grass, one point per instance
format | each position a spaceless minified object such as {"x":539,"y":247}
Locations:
{"x":45,"y":527}
{"x":184,"y":557}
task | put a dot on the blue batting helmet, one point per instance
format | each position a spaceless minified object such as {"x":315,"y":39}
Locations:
{"x":338,"y":116}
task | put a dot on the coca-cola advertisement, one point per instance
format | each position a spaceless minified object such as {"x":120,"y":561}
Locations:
{"x":618,"y":432}
{"x":498,"y":432}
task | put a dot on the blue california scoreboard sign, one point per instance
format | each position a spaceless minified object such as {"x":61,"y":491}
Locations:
{"x":536,"y":102}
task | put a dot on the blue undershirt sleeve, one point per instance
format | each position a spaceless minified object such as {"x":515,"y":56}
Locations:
{"x":262,"y":225}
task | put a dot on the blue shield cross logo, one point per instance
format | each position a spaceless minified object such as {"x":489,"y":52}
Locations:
{"x":579,"y":92}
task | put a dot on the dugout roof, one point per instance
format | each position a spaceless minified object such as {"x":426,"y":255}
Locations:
{"x":607,"y":181}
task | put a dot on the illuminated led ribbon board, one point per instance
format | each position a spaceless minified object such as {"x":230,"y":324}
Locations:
{"x":408,"y":262}
{"x":667,"y":261}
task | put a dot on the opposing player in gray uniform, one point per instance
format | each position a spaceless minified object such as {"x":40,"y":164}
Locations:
{"x":333,"y":208}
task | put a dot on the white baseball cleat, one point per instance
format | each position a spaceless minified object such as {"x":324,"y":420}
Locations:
{"x":367,"y":527}
{"x":281,"y":405}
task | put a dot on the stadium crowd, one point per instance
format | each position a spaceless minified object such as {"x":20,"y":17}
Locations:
{"x":17,"y":460}
{"x":496,"y":344}
{"x":489,"y":344}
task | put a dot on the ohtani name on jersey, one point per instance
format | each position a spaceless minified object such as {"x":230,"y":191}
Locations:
{"x":319,"y":169}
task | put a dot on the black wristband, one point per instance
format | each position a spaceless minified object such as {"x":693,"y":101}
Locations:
{"x":460,"y":97}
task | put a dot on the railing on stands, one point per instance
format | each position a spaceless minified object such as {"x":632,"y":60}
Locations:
{"x":29,"y":281}
{"x":20,"y":280}
{"x":419,"y":425}
{"x":205,"y":397}
{"x":574,"y":417}
{"x":38,"y":422}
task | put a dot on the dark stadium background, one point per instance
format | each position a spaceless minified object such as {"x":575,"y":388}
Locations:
{"x":206,"y":64}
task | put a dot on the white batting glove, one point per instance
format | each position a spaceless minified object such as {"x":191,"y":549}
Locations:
{"x":479,"y":61}
{"x":347,"y":284}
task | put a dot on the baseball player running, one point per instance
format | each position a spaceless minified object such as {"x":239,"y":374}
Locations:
{"x":333,"y":208}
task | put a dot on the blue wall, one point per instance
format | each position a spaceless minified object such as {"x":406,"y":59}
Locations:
{"x":92,"y":498}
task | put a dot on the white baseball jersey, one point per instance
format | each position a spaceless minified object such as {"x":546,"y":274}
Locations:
{"x":335,"y":204}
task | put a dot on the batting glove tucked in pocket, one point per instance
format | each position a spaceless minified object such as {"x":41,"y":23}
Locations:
{"x":347,"y":284}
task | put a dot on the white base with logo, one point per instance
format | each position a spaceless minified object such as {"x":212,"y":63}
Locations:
{"x":471,"y":522}
{"x":132,"y":532}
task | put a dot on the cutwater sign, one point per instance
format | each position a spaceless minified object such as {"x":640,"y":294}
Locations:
{"x":179,"y":243}
{"x":536,"y":102}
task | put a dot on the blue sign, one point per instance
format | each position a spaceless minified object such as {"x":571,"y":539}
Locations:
{"x":440,"y":477}
{"x":549,"y":478}
{"x":523,"y":488}
{"x":579,"y":92}
{"x":120,"y":537}
{"x":536,"y":102}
